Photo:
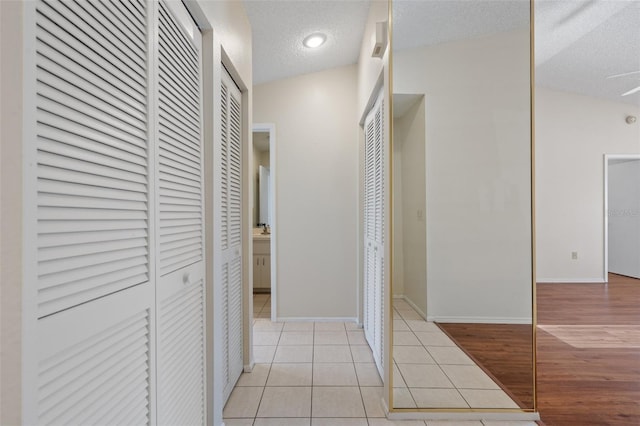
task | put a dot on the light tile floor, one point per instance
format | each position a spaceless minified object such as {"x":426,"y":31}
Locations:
{"x":430,"y":371}
{"x":323,"y":374}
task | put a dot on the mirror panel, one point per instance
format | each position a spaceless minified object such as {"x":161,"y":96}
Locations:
{"x":462,"y":205}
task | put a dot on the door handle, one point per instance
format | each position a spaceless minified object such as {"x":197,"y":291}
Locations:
{"x":186,"y":278}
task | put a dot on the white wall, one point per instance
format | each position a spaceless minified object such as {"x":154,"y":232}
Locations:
{"x":397,"y":276}
{"x":11,"y":104}
{"x":317,"y":191}
{"x":409,"y":142}
{"x":478,"y":175}
{"x":573,"y":132}
{"x":624,"y":217}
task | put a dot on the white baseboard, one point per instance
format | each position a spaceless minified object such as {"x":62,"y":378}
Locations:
{"x":599,"y":280}
{"x":482,"y":320}
{"x":478,"y":416}
{"x":318,"y":319}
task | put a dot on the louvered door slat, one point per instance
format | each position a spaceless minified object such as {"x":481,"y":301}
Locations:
{"x":180,"y":153}
{"x":182,"y":372}
{"x":50,"y":75}
{"x":93,"y":140}
{"x":61,"y":227}
{"x":68,"y":271}
{"x":178,"y":146}
{"x":54,"y":240}
{"x":60,"y":168}
{"x":58,"y":59}
{"x":56,"y":142}
{"x":57,"y":25}
{"x":374,"y":229}
{"x":230,"y":211}
{"x":113,"y":23}
{"x":80,"y":190}
{"x":115,"y":245}
{"x":86,"y":376}
{"x":178,"y":162}
{"x":58,"y":90}
{"x":179,"y":47}
{"x":183,"y":91}
{"x":97,"y":33}
{"x":181,"y":294}
{"x":135,"y":7}
{"x":124,"y":21}
{"x":186,"y":197}
{"x":92,"y":155}
{"x":83,"y":123}
{"x":181,"y":104}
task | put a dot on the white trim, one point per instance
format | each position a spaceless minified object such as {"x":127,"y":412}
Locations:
{"x":481,"y":320}
{"x":605,"y":212}
{"x":597,"y":280}
{"x":477,"y":415}
{"x":29,"y":218}
{"x":271,"y":129}
{"x":318,"y":319}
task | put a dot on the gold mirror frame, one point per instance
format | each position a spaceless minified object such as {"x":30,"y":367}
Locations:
{"x":390,"y":316}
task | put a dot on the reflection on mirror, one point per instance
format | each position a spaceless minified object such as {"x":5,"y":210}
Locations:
{"x":462,"y":205}
{"x":261,"y":179}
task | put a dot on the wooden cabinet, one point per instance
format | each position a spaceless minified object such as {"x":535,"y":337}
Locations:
{"x":261,"y":264}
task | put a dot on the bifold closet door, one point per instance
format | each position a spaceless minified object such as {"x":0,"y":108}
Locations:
{"x":113,"y":192}
{"x":89,"y":299}
{"x":228,"y":207}
{"x":374,"y":231}
{"x":180,"y":289}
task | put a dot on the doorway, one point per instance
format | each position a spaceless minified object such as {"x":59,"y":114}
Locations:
{"x":622,"y":215}
{"x":264,"y":216}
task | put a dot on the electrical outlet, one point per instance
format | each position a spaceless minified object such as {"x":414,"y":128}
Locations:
{"x":574,"y":255}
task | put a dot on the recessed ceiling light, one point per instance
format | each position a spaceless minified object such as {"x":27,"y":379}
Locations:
{"x":314,"y":40}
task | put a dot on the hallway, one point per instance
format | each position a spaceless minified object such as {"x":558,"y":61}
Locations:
{"x":313,"y":374}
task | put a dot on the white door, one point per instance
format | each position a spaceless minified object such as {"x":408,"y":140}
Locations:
{"x":228,"y":250}
{"x":113,"y":241}
{"x":180,"y":291}
{"x":374,"y":231}
{"x":623,"y":215}
{"x":89,"y":314}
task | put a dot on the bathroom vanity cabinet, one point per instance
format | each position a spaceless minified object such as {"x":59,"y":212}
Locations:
{"x":261,"y":264}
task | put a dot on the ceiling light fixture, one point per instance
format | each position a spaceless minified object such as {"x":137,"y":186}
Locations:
{"x":314,"y":40}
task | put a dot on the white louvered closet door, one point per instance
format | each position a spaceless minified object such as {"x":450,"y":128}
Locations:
{"x":180,"y":249}
{"x":374,"y":231}
{"x":228,"y":207}
{"x":89,"y":234}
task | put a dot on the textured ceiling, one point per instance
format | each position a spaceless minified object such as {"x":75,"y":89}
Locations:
{"x":431,"y":22}
{"x":579,"y":43}
{"x":279,"y":27}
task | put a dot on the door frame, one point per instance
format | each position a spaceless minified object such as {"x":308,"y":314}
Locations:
{"x":270,"y":128}
{"x":607,"y":158}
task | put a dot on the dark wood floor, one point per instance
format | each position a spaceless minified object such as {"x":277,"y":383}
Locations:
{"x":588,"y":381}
{"x":502,"y":350}
{"x":587,"y":385}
